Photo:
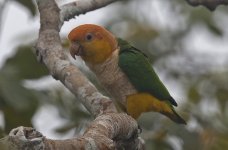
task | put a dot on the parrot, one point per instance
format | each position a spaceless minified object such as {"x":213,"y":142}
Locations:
{"x":123,"y":70}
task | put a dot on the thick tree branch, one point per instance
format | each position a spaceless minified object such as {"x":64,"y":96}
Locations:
{"x":210,"y":4}
{"x":110,"y":130}
{"x":78,"y":7}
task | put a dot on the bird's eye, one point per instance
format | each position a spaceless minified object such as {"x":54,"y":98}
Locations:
{"x":89,"y":37}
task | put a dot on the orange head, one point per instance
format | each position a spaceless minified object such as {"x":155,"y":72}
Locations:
{"x":92,"y":42}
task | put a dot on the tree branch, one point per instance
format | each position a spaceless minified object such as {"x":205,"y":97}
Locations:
{"x":110,"y":130}
{"x":210,"y":4}
{"x":105,"y":132}
{"x":78,"y":7}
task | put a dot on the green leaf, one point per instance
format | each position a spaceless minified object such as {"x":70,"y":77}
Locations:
{"x":24,"y":64}
{"x":29,"y":4}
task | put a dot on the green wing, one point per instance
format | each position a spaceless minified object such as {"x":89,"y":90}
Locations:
{"x":139,"y":71}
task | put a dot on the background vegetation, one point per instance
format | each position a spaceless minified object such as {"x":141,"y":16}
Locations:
{"x":186,"y":47}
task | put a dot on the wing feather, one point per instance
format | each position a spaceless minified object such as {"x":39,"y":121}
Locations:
{"x":141,"y":74}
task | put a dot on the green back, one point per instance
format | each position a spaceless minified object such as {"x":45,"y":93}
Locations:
{"x":136,"y":66}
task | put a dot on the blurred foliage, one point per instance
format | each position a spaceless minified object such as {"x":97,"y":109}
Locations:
{"x":69,"y":109}
{"x":19,"y":103}
{"x":20,"y":66}
{"x":161,"y":34}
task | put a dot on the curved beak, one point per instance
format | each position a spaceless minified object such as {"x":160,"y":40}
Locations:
{"x":75,"y":49}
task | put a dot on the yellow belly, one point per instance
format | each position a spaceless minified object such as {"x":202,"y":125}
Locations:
{"x":145,"y":102}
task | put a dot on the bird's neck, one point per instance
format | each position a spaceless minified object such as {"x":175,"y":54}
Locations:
{"x":108,"y":65}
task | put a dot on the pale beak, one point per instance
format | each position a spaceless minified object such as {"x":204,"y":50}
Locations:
{"x":75,"y":49}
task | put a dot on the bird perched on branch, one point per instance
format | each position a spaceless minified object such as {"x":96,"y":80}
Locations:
{"x":123,"y":70}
